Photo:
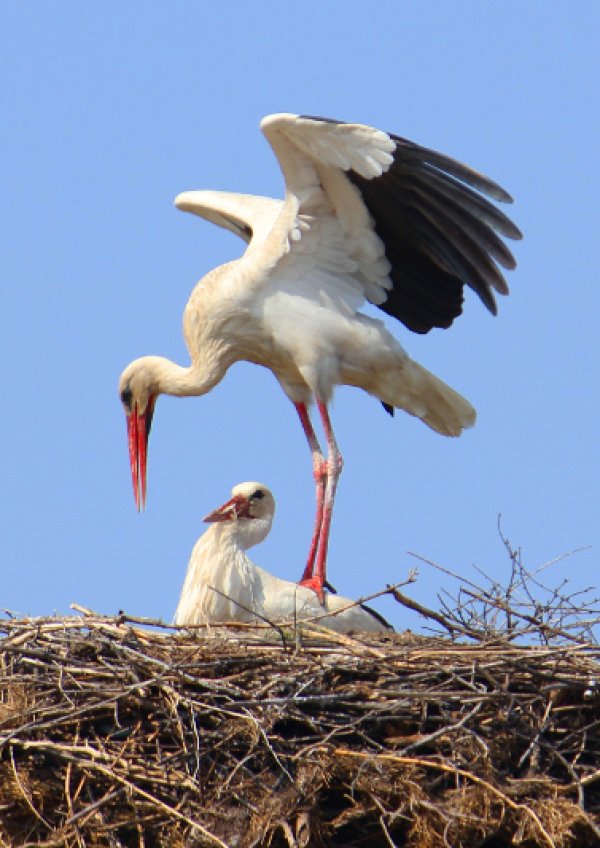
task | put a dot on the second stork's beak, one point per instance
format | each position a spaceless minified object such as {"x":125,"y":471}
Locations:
{"x":138,"y":430}
{"x":236,"y":507}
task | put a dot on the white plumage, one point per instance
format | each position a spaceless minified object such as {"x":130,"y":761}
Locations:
{"x":222,"y":583}
{"x":366,"y":216}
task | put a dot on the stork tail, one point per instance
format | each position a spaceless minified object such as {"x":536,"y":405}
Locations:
{"x":421,"y":393}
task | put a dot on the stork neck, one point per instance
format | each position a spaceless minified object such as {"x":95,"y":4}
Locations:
{"x":238,"y":536}
{"x":181,"y":381}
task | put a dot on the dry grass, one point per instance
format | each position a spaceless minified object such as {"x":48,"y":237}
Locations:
{"x":116,"y":734}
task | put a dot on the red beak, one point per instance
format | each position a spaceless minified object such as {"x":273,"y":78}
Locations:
{"x":237,"y":507}
{"x":138,"y":430}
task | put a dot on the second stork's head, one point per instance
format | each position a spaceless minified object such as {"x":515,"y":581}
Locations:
{"x":248,"y":514}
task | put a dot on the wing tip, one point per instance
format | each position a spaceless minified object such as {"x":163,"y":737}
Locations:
{"x":186,"y":201}
{"x":276,"y":119}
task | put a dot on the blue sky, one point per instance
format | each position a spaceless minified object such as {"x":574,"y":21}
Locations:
{"x":111,"y":110}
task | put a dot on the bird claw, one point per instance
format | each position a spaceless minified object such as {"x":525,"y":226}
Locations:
{"x":316,"y":585}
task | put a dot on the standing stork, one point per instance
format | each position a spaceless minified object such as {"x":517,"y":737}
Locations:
{"x":222,"y":584}
{"x":367,"y":216}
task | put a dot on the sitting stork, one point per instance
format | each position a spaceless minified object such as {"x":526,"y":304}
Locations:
{"x":222,"y":583}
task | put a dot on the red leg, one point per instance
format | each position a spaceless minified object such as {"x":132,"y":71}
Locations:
{"x":320,"y":475}
{"x":334,"y":469}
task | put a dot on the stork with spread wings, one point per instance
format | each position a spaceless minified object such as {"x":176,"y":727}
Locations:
{"x":367,"y":216}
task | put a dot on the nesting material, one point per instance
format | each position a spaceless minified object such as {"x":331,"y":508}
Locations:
{"x":117,"y":734}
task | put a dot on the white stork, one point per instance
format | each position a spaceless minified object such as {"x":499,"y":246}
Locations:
{"x":367,"y":216}
{"x":222,"y":583}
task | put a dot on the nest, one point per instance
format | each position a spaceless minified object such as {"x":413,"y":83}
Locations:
{"x":116,"y":734}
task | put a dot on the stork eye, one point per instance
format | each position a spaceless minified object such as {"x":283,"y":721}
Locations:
{"x":258,"y":495}
{"x":126,"y":398}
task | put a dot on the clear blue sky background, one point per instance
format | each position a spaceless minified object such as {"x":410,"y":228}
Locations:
{"x":108,"y":111}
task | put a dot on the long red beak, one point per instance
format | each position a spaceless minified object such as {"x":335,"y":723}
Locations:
{"x":237,"y":507}
{"x":138,"y":430}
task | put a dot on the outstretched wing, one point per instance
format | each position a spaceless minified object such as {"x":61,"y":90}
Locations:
{"x":409,"y":226}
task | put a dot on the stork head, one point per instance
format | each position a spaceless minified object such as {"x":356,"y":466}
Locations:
{"x":138,"y":390}
{"x":248,"y":513}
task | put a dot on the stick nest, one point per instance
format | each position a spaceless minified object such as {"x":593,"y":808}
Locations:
{"x":113,"y":734}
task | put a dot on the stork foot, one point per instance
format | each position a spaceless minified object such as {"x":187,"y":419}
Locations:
{"x":316,"y":584}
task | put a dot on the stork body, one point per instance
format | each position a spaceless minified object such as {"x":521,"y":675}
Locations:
{"x":222,"y":583}
{"x":367,"y":216}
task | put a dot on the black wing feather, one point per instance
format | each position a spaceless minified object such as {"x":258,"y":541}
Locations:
{"x":440,"y":234}
{"x":409,"y":151}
